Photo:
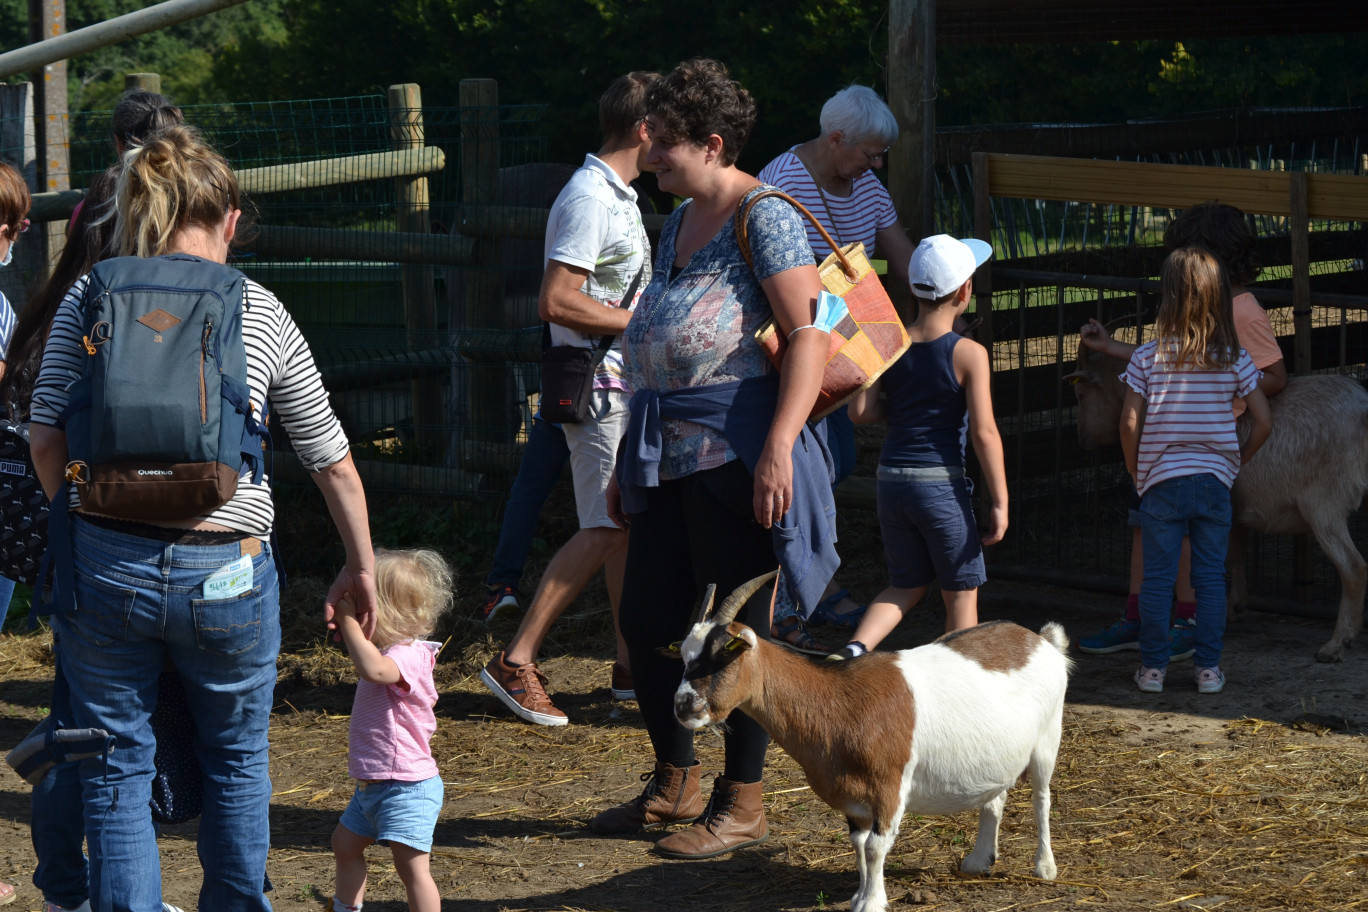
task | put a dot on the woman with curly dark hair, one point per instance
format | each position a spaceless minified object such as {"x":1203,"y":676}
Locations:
{"x":719,"y":475}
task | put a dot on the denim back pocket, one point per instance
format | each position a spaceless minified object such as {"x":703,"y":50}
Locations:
{"x":102,"y":609}
{"x":228,"y":626}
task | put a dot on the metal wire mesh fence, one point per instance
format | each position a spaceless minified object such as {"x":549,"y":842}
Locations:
{"x":406,"y":243}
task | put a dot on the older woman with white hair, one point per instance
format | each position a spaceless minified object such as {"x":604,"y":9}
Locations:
{"x":833,"y":176}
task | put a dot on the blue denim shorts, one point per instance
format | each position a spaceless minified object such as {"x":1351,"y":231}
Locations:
{"x":929,"y":531}
{"x":394,"y":811}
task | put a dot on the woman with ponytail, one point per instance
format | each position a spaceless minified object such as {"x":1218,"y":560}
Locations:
{"x":141,"y":587}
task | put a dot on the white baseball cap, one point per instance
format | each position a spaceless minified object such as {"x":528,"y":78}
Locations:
{"x":941,"y":264}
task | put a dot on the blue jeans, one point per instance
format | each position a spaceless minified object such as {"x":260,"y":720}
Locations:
{"x":139,"y":602}
{"x":56,"y":824}
{"x":543,"y":460}
{"x":1197,"y":506}
{"x":6,"y":593}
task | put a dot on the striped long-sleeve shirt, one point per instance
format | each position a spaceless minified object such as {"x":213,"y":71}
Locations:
{"x":7,"y":320}
{"x":1189,"y":424}
{"x":279,"y":365}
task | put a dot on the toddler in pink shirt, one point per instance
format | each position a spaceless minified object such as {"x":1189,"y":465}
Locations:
{"x":398,"y":790}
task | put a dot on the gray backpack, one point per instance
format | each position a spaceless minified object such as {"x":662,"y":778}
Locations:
{"x":159,"y":425}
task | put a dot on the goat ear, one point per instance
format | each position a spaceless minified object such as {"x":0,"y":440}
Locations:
{"x":743,"y":639}
{"x":673,"y":651}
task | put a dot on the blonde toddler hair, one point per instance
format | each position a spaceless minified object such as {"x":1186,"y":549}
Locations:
{"x":413,"y":589}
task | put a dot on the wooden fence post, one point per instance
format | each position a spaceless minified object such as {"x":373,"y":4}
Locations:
{"x":47,"y":19}
{"x":912,"y":98}
{"x":983,"y":230}
{"x":144,"y":82}
{"x":1302,"y":575}
{"x":482,"y":286}
{"x":420,"y":306}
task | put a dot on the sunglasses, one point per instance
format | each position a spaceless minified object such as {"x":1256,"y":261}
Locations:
{"x":21,"y":227}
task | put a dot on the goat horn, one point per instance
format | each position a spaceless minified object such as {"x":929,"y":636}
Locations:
{"x":727,"y":613}
{"x":705,"y":606}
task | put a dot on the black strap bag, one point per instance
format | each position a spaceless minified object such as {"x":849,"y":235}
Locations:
{"x":23,"y":506}
{"x":567,"y":372}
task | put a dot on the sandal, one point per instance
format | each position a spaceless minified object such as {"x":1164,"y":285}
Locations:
{"x":826,"y":612}
{"x":789,"y":632}
{"x":7,"y":893}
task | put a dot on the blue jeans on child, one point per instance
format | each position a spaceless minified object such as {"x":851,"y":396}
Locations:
{"x":139,"y":601}
{"x":543,"y":460}
{"x":1197,"y":506}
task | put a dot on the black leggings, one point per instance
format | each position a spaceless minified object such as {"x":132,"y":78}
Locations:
{"x":696,"y":530}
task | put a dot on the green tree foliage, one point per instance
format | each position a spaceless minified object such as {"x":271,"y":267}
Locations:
{"x":791,"y":54}
{"x":184,"y":55}
{"x":1117,"y":81}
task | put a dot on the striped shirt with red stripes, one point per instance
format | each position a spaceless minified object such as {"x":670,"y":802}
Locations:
{"x":858,"y":217}
{"x":1189,"y":426}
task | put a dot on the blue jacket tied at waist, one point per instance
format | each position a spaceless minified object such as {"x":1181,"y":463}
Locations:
{"x":742,"y":411}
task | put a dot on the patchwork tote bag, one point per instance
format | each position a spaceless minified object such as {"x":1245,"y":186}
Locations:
{"x":864,"y":342}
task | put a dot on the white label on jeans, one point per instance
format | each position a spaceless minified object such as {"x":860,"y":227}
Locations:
{"x":230,"y":579}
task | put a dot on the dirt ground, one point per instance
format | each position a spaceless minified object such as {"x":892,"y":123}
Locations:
{"x":1256,"y":798}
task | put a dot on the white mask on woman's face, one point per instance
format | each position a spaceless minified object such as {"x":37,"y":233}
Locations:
{"x":9,"y":255}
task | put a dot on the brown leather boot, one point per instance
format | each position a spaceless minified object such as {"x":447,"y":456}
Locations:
{"x":672,"y":795}
{"x":734,"y":818}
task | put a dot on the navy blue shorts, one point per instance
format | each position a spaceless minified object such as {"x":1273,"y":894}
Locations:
{"x":929,"y":531}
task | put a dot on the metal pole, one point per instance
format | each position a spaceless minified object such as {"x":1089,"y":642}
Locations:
{"x":93,"y":37}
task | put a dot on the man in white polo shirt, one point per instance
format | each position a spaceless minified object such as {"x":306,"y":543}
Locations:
{"x":596,"y":253}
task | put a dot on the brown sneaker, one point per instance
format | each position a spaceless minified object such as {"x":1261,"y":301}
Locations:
{"x":733,"y":819}
{"x":522,"y":688}
{"x":622,"y":683}
{"x":671,"y":796}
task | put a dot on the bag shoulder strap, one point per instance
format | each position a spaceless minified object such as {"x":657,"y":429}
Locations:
{"x":605,"y":342}
{"x":820,"y":192}
{"x":748,"y":201}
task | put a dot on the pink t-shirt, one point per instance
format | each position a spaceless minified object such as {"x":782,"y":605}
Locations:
{"x":1189,"y":426}
{"x":1254,"y":330}
{"x":391,"y":724}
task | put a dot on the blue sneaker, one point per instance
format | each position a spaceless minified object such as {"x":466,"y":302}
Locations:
{"x":1182,"y":639}
{"x":1123,"y":634}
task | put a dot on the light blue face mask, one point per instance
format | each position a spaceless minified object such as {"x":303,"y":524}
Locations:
{"x":9,"y":255}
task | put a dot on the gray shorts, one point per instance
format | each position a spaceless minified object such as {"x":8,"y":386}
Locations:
{"x":593,"y":451}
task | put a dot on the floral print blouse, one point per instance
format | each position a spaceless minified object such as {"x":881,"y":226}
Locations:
{"x":696,"y":326}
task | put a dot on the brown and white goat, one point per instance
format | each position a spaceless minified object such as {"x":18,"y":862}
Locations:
{"x":938,"y":729}
{"x":1309,"y":477}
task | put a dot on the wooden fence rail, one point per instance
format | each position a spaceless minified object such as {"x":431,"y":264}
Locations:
{"x":1297,"y":196}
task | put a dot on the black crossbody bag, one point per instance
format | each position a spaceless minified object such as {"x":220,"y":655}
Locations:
{"x":567,"y":371}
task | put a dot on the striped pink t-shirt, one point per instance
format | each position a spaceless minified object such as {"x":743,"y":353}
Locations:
{"x":391,"y":724}
{"x":1189,"y":424}
{"x":858,"y":217}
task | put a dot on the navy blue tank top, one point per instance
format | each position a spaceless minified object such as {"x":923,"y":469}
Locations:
{"x":928,"y":413}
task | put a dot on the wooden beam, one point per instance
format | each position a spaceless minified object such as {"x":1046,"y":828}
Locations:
{"x":1136,"y":183}
{"x":282,"y":242}
{"x":399,"y":164}
{"x":1329,"y":196}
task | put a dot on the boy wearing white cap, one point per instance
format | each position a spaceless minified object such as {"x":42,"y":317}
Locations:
{"x":934,"y":397}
